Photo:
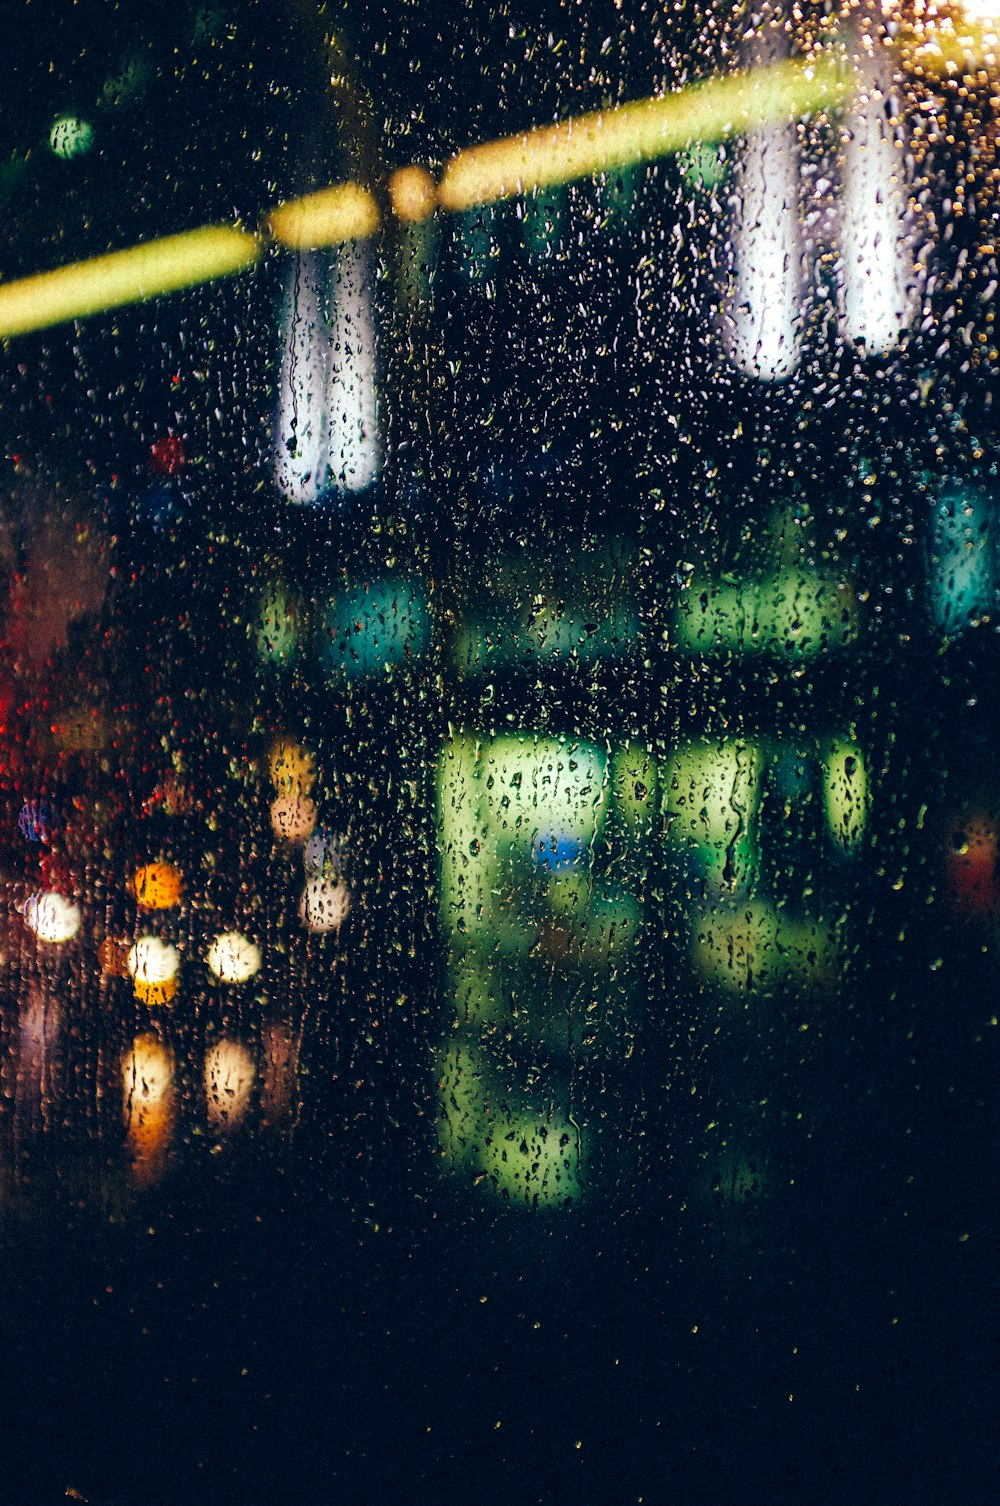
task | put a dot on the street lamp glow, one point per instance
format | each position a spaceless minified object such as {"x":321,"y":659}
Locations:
{"x":153,"y":965}
{"x":52,"y":917}
{"x":233,"y":957}
{"x":229,"y":1077}
{"x":293,"y":818}
{"x":122,"y":277}
{"x":147,"y":1075}
{"x":324,"y":904}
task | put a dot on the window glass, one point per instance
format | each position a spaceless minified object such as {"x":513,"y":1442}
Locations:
{"x":498,"y":795}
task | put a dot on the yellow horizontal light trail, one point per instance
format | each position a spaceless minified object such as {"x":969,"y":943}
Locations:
{"x":122,"y":277}
{"x":589,"y":144}
{"x":345,"y":212}
{"x":611,"y":139}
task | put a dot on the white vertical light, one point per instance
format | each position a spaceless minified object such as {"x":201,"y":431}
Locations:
{"x":351,"y":399}
{"x":761,"y":332}
{"x":327,"y":407}
{"x":300,"y":458}
{"x":877,"y":284}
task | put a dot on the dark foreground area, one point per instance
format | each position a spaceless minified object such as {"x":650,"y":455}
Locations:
{"x":277,"y":1347}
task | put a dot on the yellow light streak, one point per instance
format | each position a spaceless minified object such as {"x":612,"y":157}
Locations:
{"x":945,"y":47}
{"x":123,"y":277}
{"x":612,"y":139}
{"x":413,"y":193}
{"x":586,"y":145}
{"x":344,"y":212}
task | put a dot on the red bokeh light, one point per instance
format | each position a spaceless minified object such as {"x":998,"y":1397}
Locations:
{"x":167,"y":456}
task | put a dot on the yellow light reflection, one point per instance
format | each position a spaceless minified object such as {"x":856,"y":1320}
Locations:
{"x":291,"y":766}
{"x":157,"y":886}
{"x":153,"y":965}
{"x":150,"y":1106}
{"x":942,"y":44}
{"x":342,"y":213}
{"x":602,"y":142}
{"x":611,"y":139}
{"x":123,"y":277}
{"x":413,"y":193}
{"x":753,"y":947}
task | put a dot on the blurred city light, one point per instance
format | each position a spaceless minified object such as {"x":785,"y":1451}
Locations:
{"x":276,"y":629}
{"x":797,"y":612}
{"x":153,"y":965}
{"x":324,"y":904}
{"x":124,"y":277}
{"x":342,"y":213}
{"x":157,"y":886}
{"x":610,"y":139}
{"x":70,"y":136}
{"x":327,"y":431}
{"x":147,"y":1074}
{"x":879,"y":291}
{"x":602,"y":142}
{"x":293,"y":817}
{"x":762,"y":324}
{"x":52,"y":917}
{"x":233,"y":957}
{"x":846,"y":791}
{"x":372,"y":626}
{"x":291,"y":766}
{"x":150,"y":1106}
{"x":962,"y":585}
{"x":229,"y":1079}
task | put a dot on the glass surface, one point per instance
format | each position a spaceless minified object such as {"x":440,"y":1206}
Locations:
{"x":499,"y":821}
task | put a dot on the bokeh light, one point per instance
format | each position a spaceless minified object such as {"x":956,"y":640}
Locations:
{"x":233,"y":957}
{"x":291,"y":766}
{"x":293,"y":818}
{"x":157,"y":886}
{"x":324,"y":904}
{"x":71,"y":136}
{"x":153,"y":965}
{"x":52,"y":917}
{"x":229,"y":1079}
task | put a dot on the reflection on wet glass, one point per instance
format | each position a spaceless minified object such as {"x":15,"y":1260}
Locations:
{"x":498,"y":576}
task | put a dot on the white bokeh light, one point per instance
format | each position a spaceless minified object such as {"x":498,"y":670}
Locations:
{"x":233,"y":957}
{"x":52,"y":917}
{"x":229,"y":1078}
{"x":324,"y":904}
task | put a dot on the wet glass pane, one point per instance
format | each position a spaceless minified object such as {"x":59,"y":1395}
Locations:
{"x":498,"y":795}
